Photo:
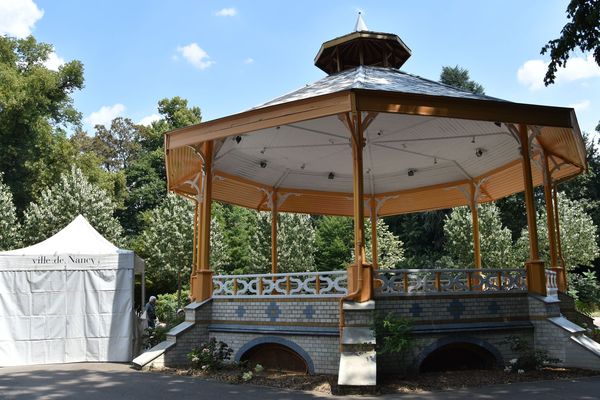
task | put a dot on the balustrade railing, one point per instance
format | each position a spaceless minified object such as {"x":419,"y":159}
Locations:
{"x":551,"y":285}
{"x":444,"y":281}
{"x":305,"y":284}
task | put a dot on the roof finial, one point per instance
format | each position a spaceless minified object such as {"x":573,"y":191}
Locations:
{"x":360,"y":24}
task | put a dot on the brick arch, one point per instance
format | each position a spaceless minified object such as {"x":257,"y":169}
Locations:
{"x":449,"y":340}
{"x":280,"y":341}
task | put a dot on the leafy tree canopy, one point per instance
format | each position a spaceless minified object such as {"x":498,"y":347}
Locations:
{"x":35,"y":102}
{"x":58,"y":205}
{"x":10,"y":229}
{"x":581,"y":32}
{"x":459,"y":78}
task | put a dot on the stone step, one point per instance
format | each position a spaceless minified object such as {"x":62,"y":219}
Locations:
{"x":358,"y":335}
{"x":588,"y":344}
{"x":364,"y":306}
{"x":150,"y":355}
{"x":358,"y":369}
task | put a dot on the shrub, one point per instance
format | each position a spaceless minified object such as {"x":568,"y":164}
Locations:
{"x":166,"y":309}
{"x":392,"y":333}
{"x":528,"y":359}
{"x":210,"y":356}
{"x":586,"y":291}
{"x":153,"y":336}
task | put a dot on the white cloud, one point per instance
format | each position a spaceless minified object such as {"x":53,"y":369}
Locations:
{"x":54,"y":61}
{"x":195,"y":55}
{"x":105,"y":114}
{"x":226,"y":12}
{"x":532,"y":72}
{"x":249,"y":60}
{"x":581,"y":105}
{"x":149,"y":119}
{"x":17,"y":17}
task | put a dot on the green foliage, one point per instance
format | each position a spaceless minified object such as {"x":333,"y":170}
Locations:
{"x":166,"y":243}
{"x":459,"y":78}
{"x":390,"y":250}
{"x":166,"y":309}
{"x":34,"y":103}
{"x":210,"y":356}
{"x":60,"y":204}
{"x":581,"y":32}
{"x":153,"y":336}
{"x":295,"y":243}
{"x":334,"y":241}
{"x":239,"y":228}
{"x":577,"y":233}
{"x":585,"y":289}
{"x":496,"y":243}
{"x":528,"y":359}
{"x":10,"y":228}
{"x":422,"y":235}
{"x":118,"y":145}
{"x":392,"y":333}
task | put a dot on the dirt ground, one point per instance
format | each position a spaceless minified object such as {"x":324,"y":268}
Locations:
{"x":426,"y":382}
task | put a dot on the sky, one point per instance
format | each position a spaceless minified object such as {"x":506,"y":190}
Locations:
{"x":226,"y":57}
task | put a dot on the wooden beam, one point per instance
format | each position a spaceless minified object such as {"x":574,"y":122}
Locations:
{"x":561,"y":260}
{"x":261,"y":118}
{"x":536,"y":275}
{"x":463,"y":108}
{"x":475,"y":222}
{"x":274,"y":218}
{"x":374,"y":250}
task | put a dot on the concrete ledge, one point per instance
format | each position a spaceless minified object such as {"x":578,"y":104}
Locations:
{"x":179,"y":329}
{"x":275,"y":329}
{"x":358,"y":336}
{"x":567,"y":325}
{"x":466,"y":327}
{"x":192,"y":308}
{"x":150,"y":355}
{"x":545,"y":299}
{"x":588,"y":344}
{"x":354,"y":306}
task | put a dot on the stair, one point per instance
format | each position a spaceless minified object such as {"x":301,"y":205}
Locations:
{"x":358,"y":360}
{"x":567,"y":309}
{"x":579,"y":350}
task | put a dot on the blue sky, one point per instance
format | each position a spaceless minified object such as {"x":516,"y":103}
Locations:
{"x":226,"y":57}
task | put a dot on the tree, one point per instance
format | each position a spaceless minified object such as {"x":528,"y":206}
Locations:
{"x":295,"y":243}
{"x":334,"y":243}
{"x":10,"y":229}
{"x":145,"y":175}
{"x":496,"y":242}
{"x":582,"y":32}
{"x":35,"y":102}
{"x":577,"y":234}
{"x":60,"y":204}
{"x":459,"y":78}
{"x":166,"y":244}
{"x":239,"y":229}
{"x":390,"y":251}
{"x":118,"y":145}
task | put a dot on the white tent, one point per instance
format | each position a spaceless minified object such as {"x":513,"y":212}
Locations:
{"x":67,"y":299}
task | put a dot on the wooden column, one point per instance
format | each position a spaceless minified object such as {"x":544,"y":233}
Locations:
{"x":274,"y":218}
{"x":204,"y":274}
{"x":361,"y":277}
{"x":475,"y":223}
{"x":536,"y":275}
{"x":374,"y":251}
{"x":560,"y":259}
{"x":550,"y":222}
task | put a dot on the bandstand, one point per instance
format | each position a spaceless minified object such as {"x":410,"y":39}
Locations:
{"x":369,"y":141}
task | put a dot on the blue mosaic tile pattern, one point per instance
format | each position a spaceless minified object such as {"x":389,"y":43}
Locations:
{"x":309,"y":311}
{"x":456,"y":308}
{"x":273,"y":311}
{"x":415,"y":310}
{"x":493,"y":308}
{"x":240,"y":311}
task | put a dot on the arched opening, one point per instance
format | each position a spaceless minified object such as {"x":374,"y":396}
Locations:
{"x":275,"y":357}
{"x":458,"y":356}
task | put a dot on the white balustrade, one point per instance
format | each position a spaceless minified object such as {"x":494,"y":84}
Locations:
{"x":551,"y":285}
{"x":444,"y":281}
{"x":303,"y":284}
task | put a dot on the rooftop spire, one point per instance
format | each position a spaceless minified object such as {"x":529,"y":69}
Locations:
{"x":360,"y":24}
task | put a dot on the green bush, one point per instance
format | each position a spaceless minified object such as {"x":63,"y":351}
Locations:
{"x":166,"y":309}
{"x":586,"y":291}
{"x":528,"y":359}
{"x":392,"y":333}
{"x":153,"y":336}
{"x":210,"y":356}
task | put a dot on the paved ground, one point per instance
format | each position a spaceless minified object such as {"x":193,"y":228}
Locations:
{"x":118,"y":381}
